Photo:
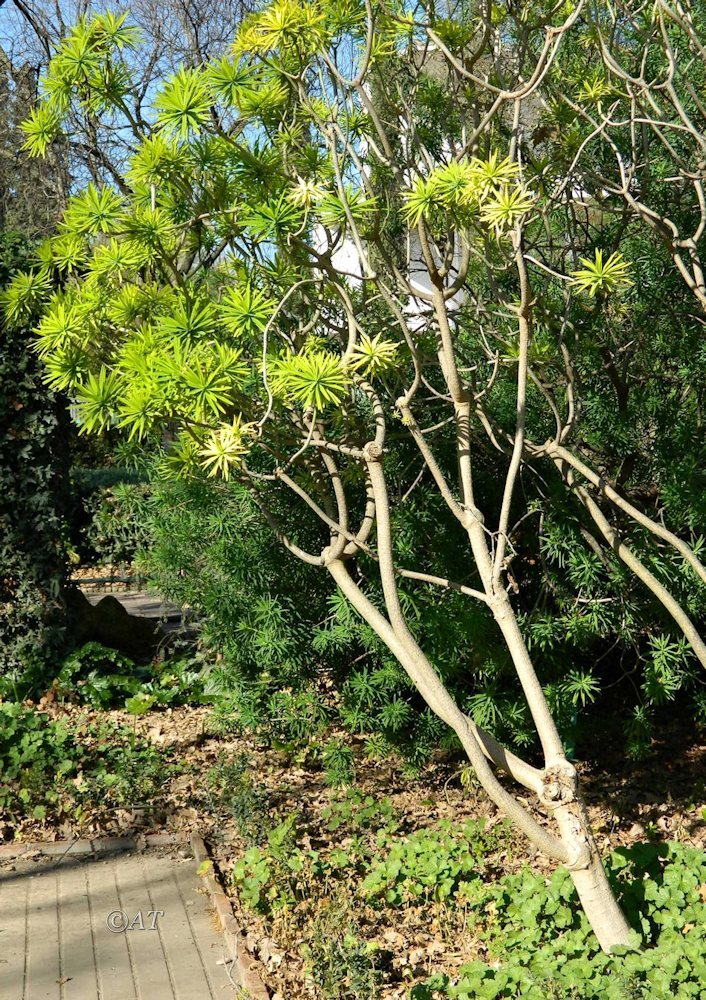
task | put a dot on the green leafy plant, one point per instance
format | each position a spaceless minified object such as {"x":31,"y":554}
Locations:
{"x":116,"y":530}
{"x":98,"y":676}
{"x":233,"y":789}
{"x":67,"y":768}
{"x":353,"y":812}
{"x":33,"y":754}
{"x":184,"y":103}
{"x":104,"y":678}
{"x":435,"y":864}
{"x":599,"y":276}
{"x":539,"y":938}
{"x":338,"y":763}
{"x":268,"y":878}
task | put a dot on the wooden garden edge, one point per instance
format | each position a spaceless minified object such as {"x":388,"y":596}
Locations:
{"x":244,"y":966}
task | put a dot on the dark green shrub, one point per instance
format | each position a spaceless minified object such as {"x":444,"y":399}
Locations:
{"x":284,"y":641}
{"x":281,"y":636}
{"x":107,"y":516}
{"x":256,"y":607}
{"x":34,"y":438}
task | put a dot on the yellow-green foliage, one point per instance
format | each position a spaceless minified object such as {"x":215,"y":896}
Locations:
{"x":145,"y":314}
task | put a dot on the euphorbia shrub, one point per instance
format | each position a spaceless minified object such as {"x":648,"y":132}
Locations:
{"x":336,"y":238}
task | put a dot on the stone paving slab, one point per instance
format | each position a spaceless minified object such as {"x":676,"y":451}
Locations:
{"x":101,"y":845}
{"x":126,"y":926}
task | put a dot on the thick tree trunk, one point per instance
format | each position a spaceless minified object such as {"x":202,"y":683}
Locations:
{"x":556,"y":788}
{"x":600,"y":905}
{"x":588,"y":875}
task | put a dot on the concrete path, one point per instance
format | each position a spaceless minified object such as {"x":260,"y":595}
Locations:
{"x":125,"y":926}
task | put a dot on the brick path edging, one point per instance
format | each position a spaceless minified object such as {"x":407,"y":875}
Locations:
{"x":244,"y":966}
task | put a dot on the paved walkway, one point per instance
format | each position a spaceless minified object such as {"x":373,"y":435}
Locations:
{"x":126,"y":926}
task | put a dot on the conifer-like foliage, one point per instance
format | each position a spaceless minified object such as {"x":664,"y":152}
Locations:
{"x":366,"y":264}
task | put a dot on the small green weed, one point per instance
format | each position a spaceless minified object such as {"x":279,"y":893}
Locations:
{"x":270,"y":878}
{"x":339,"y":962}
{"x":231,"y":788}
{"x":338,"y":763}
{"x":352,"y":813}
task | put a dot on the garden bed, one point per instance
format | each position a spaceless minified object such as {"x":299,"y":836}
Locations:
{"x":355,"y":891}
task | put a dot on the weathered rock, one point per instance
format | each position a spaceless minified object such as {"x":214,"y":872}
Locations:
{"x":110,"y":624}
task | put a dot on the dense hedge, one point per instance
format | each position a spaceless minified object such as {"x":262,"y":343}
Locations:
{"x":34,"y":458}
